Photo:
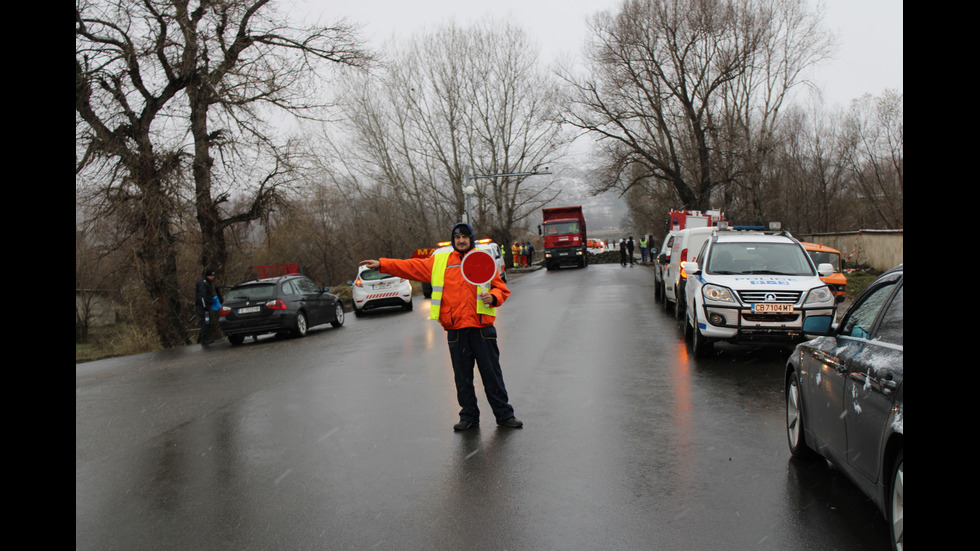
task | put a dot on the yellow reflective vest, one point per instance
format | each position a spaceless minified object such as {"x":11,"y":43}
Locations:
{"x":439,"y":267}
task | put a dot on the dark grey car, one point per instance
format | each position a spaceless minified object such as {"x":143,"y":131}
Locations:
{"x":845,"y":397}
{"x":286,"y":304}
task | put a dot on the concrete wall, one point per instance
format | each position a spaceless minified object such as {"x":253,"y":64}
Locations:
{"x":880,"y":249}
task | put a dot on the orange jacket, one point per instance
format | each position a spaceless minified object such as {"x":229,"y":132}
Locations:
{"x":458,"y":309}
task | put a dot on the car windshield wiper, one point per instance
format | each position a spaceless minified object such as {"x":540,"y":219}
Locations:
{"x":767,"y":272}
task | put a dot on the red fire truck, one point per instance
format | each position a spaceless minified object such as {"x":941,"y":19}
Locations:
{"x":682,"y":219}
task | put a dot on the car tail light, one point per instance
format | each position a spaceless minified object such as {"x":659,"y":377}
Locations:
{"x":224,"y":311}
{"x":277,"y":304}
{"x":357,"y":282}
{"x":683,"y":262}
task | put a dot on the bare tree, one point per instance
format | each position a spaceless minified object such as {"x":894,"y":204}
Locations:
{"x":147,"y":74}
{"x":793,"y":40}
{"x":116,"y":108}
{"x":247,"y":59}
{"x":875,"y":132}
{"x":666,"y":77}
{"x":452,"y":103}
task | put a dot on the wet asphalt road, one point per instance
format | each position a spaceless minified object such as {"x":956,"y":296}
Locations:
{"x":344,"y":440}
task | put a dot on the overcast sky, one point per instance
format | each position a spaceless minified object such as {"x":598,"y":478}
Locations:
{"x":870,"y":32}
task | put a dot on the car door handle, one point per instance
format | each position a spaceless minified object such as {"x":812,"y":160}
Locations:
{"x":839,"y":366}
{"x":886,"y":386}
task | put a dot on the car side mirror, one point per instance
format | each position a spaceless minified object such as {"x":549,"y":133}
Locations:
{"x":825,"y":269}
{"x":819,"y":326}
{"x":692,"y":268}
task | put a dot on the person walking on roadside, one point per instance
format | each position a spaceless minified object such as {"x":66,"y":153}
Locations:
{"x":644,"y":243}
{"x":515,"y":251}
{"x":530,"y":253}
{"x":467,"y":313}
{"x":622,"y":252}
{"x":629,"y":250}
{"x":203,"y":298}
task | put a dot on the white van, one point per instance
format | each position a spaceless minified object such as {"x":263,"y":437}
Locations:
{"x":687,"y":243}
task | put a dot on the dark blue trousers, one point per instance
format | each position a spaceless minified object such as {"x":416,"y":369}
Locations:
{"x":478,"y":344}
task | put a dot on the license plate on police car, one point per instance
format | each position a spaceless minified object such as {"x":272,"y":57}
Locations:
{"x":772,"y":308}
{"x":249,"y":310}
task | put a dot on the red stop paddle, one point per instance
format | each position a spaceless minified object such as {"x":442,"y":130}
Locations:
{"x":478,"y":267}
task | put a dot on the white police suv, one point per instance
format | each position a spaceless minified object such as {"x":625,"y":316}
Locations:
{"x":755,"y":286}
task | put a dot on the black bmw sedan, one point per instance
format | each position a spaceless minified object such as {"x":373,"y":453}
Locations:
{"x":286,"y":304}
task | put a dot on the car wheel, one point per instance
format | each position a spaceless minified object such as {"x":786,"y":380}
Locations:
{"x":358,"y":312}
{"x":301,"y":328}
{"x":700,"y":345}
{"x":338,"y":315}
{"x":657,"y":293}
{"x":427,"y":290}
{"x":795,"y":428}
{"x":896,"y":516}
{"x":679,"y":308}
{"x":409,"y":305}
{"x":236,"y":339}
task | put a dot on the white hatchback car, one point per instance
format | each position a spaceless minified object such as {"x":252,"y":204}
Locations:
{"x":753,"y":286}
{"x":373,"y":289}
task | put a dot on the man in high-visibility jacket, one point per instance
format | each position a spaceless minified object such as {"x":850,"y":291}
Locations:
{"x":515,"y":251}
{"x":467,"y":313}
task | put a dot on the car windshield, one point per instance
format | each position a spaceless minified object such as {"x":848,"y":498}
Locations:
{"x":826,"y":257}
{"x":372,"y":275}
{"x":252,"y":292}
{"x":561,"y":227}
{"x":758,"y":258}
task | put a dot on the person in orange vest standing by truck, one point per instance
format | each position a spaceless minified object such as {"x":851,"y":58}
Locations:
{"x":467,"y":313}
{"x":515,"y":251}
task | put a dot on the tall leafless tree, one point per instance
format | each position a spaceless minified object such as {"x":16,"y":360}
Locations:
{"x":148,"y":74}
{"x":680,"y":92}
{"x":449,"y":104}
{"x":876,"y":135}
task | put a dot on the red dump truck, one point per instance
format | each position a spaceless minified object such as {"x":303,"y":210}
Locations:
{"x":565,"y":241}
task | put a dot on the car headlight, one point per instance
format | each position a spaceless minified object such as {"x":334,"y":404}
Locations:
{"x":820,"y":295}
{"x":717,"y":293}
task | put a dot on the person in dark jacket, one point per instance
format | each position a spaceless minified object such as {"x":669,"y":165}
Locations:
{"x":203,"y":295}
{"x":629,"y":250}
{"x":622,"y":252}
